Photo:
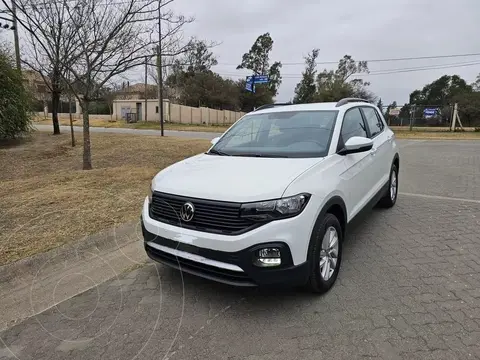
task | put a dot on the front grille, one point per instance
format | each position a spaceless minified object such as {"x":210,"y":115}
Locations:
{"x":210,"y":216}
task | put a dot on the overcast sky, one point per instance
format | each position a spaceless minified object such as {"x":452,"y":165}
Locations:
{"x":368,"y":29}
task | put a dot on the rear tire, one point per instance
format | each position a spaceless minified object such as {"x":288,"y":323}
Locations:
{"x":390,"y":197}
{"x":325,"y":253}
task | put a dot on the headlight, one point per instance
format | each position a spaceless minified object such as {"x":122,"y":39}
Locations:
{"x":275,"y":209}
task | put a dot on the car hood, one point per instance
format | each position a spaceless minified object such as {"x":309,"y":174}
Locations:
{"x":231,"y":178}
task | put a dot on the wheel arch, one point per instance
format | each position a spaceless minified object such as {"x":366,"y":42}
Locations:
{"x":396,"y":161}
{"x":336,"y":206}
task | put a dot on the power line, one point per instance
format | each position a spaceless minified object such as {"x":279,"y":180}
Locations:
{"x":382,"y":72}
{"x":372,"y":73}
{"x":379,"y":60}
{"x":430,"y":66}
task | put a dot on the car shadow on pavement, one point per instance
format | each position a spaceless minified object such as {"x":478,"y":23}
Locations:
{"x":193,"y":289}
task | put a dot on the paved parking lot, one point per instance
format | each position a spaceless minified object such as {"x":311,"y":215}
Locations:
{"x":409,"y":288}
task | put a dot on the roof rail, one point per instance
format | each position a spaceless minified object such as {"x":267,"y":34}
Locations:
{"x":268,"y":106}
{"x":349,"y":100}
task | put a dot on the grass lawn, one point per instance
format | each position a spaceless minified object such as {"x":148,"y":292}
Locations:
{"x":436,"y":135}
{"x":427,"y":128}
{"x":46,"y":199}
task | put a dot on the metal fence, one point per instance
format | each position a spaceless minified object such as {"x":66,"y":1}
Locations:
{"x":432,"y":116}
{"x":419,"y":115}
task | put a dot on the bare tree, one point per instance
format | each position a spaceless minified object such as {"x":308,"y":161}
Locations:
{"x":113,"y":37}
{"x":50,"y":40}
{"x":167,"y":63}
{"x":66,"y":88}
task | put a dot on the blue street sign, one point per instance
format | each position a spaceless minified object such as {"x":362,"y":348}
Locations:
{"x":430,"y":111}
{"x":257,"y":79}
{"x":250,"y":81}
{"x":261,"y":79}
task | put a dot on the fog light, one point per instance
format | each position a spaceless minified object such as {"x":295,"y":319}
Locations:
{"x":268,"y":257}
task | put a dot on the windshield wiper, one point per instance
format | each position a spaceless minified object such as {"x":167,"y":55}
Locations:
{"x":262,"y":155}
{"x":218,"y":152}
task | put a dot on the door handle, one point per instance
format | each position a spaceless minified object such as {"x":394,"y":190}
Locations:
{"x":390,"y":138}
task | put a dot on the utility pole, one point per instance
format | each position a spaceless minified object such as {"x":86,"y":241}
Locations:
{"x":412,"y":116}
{"x":146,"y":87}
{"x":159,"y":67}
{"x":15,"y":36}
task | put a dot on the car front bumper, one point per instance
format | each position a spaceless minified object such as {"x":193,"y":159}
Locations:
{"x":229,"y":259}
{"x":229,"y":268}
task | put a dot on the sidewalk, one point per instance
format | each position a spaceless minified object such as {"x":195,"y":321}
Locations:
{"x":32,"y":285}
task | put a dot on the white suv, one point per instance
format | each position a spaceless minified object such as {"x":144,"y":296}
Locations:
{"x":270,"y":201}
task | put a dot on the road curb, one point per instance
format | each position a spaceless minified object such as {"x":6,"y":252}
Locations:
{"x":21,"y":271}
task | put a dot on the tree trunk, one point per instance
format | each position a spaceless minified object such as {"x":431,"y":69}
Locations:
{"x":71,"y":120}
{"x":87,"y":155}
{"x":55,"y":104}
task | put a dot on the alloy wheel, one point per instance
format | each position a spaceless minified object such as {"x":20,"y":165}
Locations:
{"x":329,"y":253}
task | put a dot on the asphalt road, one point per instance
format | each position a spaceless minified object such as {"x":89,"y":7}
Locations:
{"x":408,"y":289}
{"x":187,"y":134}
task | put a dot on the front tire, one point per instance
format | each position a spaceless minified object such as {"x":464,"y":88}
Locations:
{"x":326,"y":254}
{"x":390,"y":197}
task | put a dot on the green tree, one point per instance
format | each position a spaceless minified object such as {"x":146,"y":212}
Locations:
{"x":387,"y":115}
{"x":194,"y":83}
{"x":15,"y":101}
{"x":257,"y":60}
{"x":336,"y":84}
{"x":469,"y":108}
{"x":208,"y":89}
{"x":199,"y":58}
{"x":476,"y":84}
{"x":49,"y":39}
{"x":248,"y":101}
{"x":441,"y":91}
{"x":380,"y":105}
{"x":306,"y":88}
{"x":405,"y":111}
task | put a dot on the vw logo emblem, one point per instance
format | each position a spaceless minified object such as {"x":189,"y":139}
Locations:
{"x":187,"y":211}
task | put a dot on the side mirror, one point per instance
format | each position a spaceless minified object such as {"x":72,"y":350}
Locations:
{"x":215,"y":140}
{"x":356,"y":144}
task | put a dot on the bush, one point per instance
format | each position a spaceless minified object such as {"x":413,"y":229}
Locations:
{"x":15,"y":101}
{"x":99,"y":108}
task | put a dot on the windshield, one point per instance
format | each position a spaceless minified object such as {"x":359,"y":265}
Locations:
{"x":280,"y":134}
